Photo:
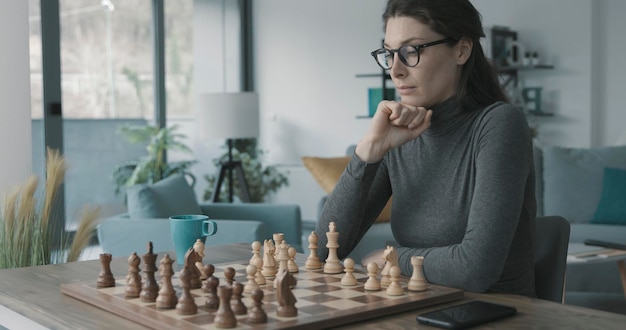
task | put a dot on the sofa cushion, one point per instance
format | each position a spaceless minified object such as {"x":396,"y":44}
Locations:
{"x":572,"y":179}
{"x":170,"y":196}
{"x":612,"y":206}
{"x":326,"y":171}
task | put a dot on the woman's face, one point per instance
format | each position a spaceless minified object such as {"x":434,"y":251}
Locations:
{"x":435,"y":77}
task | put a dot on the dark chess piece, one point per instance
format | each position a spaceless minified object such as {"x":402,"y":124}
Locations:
{"x":212,"y":300}
{"x":286,"y":299}
{"x":191,"y":259}
{"x":133,"y":279}
{"x":105,"y":278}
{"x":235,"y":301}
{"x":229,"y":274}
{"x":256,"y":314}
{"x":150,"y":289}
{"x":167,"y":298}
{"x":224,"y":317}
{"x":208,"y":272}
{"x":186,"y":304}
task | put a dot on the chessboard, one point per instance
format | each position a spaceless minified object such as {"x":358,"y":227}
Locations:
{"x":322,"y":301}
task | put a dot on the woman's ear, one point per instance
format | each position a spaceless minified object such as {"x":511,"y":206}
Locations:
{"x":464,"y":47}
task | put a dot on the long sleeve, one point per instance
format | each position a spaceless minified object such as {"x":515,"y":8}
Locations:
{"x":494,"y":248}
{"x":358,"y":198}
{"x":463,"y":197}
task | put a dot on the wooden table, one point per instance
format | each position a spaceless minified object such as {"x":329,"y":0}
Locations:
{"x":34,"y":292}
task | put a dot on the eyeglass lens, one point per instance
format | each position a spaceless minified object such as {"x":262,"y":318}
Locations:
{"x":409,"y":55}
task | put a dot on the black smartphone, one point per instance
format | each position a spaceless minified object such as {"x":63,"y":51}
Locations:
{"x":466,"y":315}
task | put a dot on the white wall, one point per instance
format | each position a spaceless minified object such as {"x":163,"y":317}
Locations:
{"x":15,"y":126}
{"x":307,"y":54}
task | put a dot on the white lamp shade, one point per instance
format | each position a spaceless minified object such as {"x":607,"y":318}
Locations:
{"x":227,"y":115}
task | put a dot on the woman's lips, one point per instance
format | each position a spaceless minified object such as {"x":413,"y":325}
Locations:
{"x":405,"y":90}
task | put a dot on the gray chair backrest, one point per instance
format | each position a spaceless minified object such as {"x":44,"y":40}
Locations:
{"x":551,"y":240}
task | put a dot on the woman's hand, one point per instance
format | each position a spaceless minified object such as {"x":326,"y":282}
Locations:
{"x":376,"y":257}
{"x":393,"y":125}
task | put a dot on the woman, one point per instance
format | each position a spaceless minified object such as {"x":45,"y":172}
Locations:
{"x":456,"y":157}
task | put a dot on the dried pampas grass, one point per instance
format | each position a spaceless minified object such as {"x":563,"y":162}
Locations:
{"x":27,"y":237}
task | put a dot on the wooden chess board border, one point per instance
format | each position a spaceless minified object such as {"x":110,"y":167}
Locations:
{"x":87,"y":292}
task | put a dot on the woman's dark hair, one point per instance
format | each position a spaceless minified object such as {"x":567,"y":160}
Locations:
{"x":479,"y":85}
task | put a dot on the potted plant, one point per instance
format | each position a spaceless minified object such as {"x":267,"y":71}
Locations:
{"x":153,"y":167}
{"x":27,"y":237}
{"x":262,"y":179}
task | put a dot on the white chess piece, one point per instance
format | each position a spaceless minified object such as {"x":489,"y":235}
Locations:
{"x":313,"y":261}
{"x":251,"y":284}
{"x":332,"y":265}
{"x":291,"y":263}
{"x":372,"y":283}
{"x":198,"y":246}
{"x":417,"y":281}
{"x":349,"y":279}
{"x":394,"y":288}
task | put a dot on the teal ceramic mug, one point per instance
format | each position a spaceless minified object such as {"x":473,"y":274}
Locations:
{"x":186,"y":229}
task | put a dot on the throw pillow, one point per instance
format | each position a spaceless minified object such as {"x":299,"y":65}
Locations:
{"x":612,"y":207}
{"x":326,"y":171}
{"x":170,"y":196}
{"x":572,"y":179}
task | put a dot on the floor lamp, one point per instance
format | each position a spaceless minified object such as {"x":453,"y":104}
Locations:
{"x":230,"y":116}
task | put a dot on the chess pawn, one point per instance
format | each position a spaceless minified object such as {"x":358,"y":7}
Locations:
{"x":332,"y":265}
{"x":291,"y":263}
{"x":372,"y":283}
{"x":229,"y":275}
{"x":394,"y":288}
{"x":224,"y":317}
{"x":212,"y":300}
{"x":256,"y":314}
{"x":186,"y":304}
{"x":349,"y":279}
{"x":313,"y":261}
{"x":208,"y":271}
{"x":256,"y":252}
{"x":417,"y":282}
{"x":251,"y":285}
{"x":105,"y":278}
{"x":236,"y":304}
{"x":133,"y":279}
{"x":167,"y":295}
{"x":259,"y":278}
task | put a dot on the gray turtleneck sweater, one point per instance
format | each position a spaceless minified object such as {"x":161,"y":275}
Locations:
{"x":463,"y":197}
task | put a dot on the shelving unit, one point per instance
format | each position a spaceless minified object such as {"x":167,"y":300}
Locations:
{"x":387,"y":95}
{"x":512,"y":72}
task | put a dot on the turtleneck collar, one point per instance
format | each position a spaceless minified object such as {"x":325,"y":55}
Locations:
{"x":447,"y":115}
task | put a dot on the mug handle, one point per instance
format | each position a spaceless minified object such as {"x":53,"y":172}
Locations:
{"x":209,"y":227}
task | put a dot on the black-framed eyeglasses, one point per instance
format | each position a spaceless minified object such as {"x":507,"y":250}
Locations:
{"x":409,"y":55}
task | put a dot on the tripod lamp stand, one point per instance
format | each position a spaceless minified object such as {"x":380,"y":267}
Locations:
{"x":230,"y":116}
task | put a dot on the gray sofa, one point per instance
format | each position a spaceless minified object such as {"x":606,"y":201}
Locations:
{"x":569,"y":183}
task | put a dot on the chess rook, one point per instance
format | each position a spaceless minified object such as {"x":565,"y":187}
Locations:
{"x":105,"y":278}
{"x":418,"y":280}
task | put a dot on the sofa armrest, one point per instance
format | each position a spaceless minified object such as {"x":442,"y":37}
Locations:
{"x":121,"y":235}
{"x":276,"y":218}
